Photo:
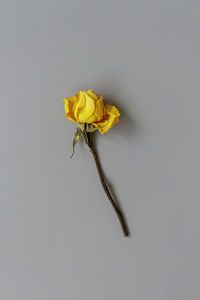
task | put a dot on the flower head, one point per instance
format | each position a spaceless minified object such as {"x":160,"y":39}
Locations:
{"x":88,"y":108}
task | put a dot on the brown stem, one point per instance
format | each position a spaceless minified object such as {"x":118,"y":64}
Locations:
{"x":104,"y":185}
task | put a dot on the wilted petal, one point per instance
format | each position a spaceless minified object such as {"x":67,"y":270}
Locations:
{"x":69,"y":104}
{"x":87,"y":103}
{"x":111,"y":117}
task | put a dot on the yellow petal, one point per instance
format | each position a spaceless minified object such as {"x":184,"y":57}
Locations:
{"x":88,"y":107}
{"x":99,"y":110}
{"x":69,"y":104}
{"x":79,"y":106}
{"x":111,"y":117}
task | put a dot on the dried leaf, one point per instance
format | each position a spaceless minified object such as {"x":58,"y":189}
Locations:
{"x":75,"y":140}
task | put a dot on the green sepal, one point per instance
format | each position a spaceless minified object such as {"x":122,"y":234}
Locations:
{"x":75,"y":140}
{"x":91,"y":128}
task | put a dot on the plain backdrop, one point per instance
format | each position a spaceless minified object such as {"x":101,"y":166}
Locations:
{"x":59,"y":237}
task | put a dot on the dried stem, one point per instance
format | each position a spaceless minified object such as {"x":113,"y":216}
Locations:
{"x":104,"y":185}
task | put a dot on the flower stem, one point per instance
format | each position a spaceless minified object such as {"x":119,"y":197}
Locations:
{"x":105,"y":187}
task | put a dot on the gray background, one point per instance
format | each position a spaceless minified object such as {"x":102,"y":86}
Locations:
{"x":59,"y":236}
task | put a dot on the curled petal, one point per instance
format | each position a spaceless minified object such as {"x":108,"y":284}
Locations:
{"x":99,"y":110}
{"x":111,"y":117}
{"x":88,"y":107}
{"x":69,"y":104}
{"x":79,"y":107}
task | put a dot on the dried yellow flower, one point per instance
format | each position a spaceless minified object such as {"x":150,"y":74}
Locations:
{"x":89,"y":112}
{"x":87,"y":107}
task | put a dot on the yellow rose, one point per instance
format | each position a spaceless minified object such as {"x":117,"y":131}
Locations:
{"x":87,"y":107}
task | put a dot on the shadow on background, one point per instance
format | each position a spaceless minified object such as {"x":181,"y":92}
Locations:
{"x":127,"y":126}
